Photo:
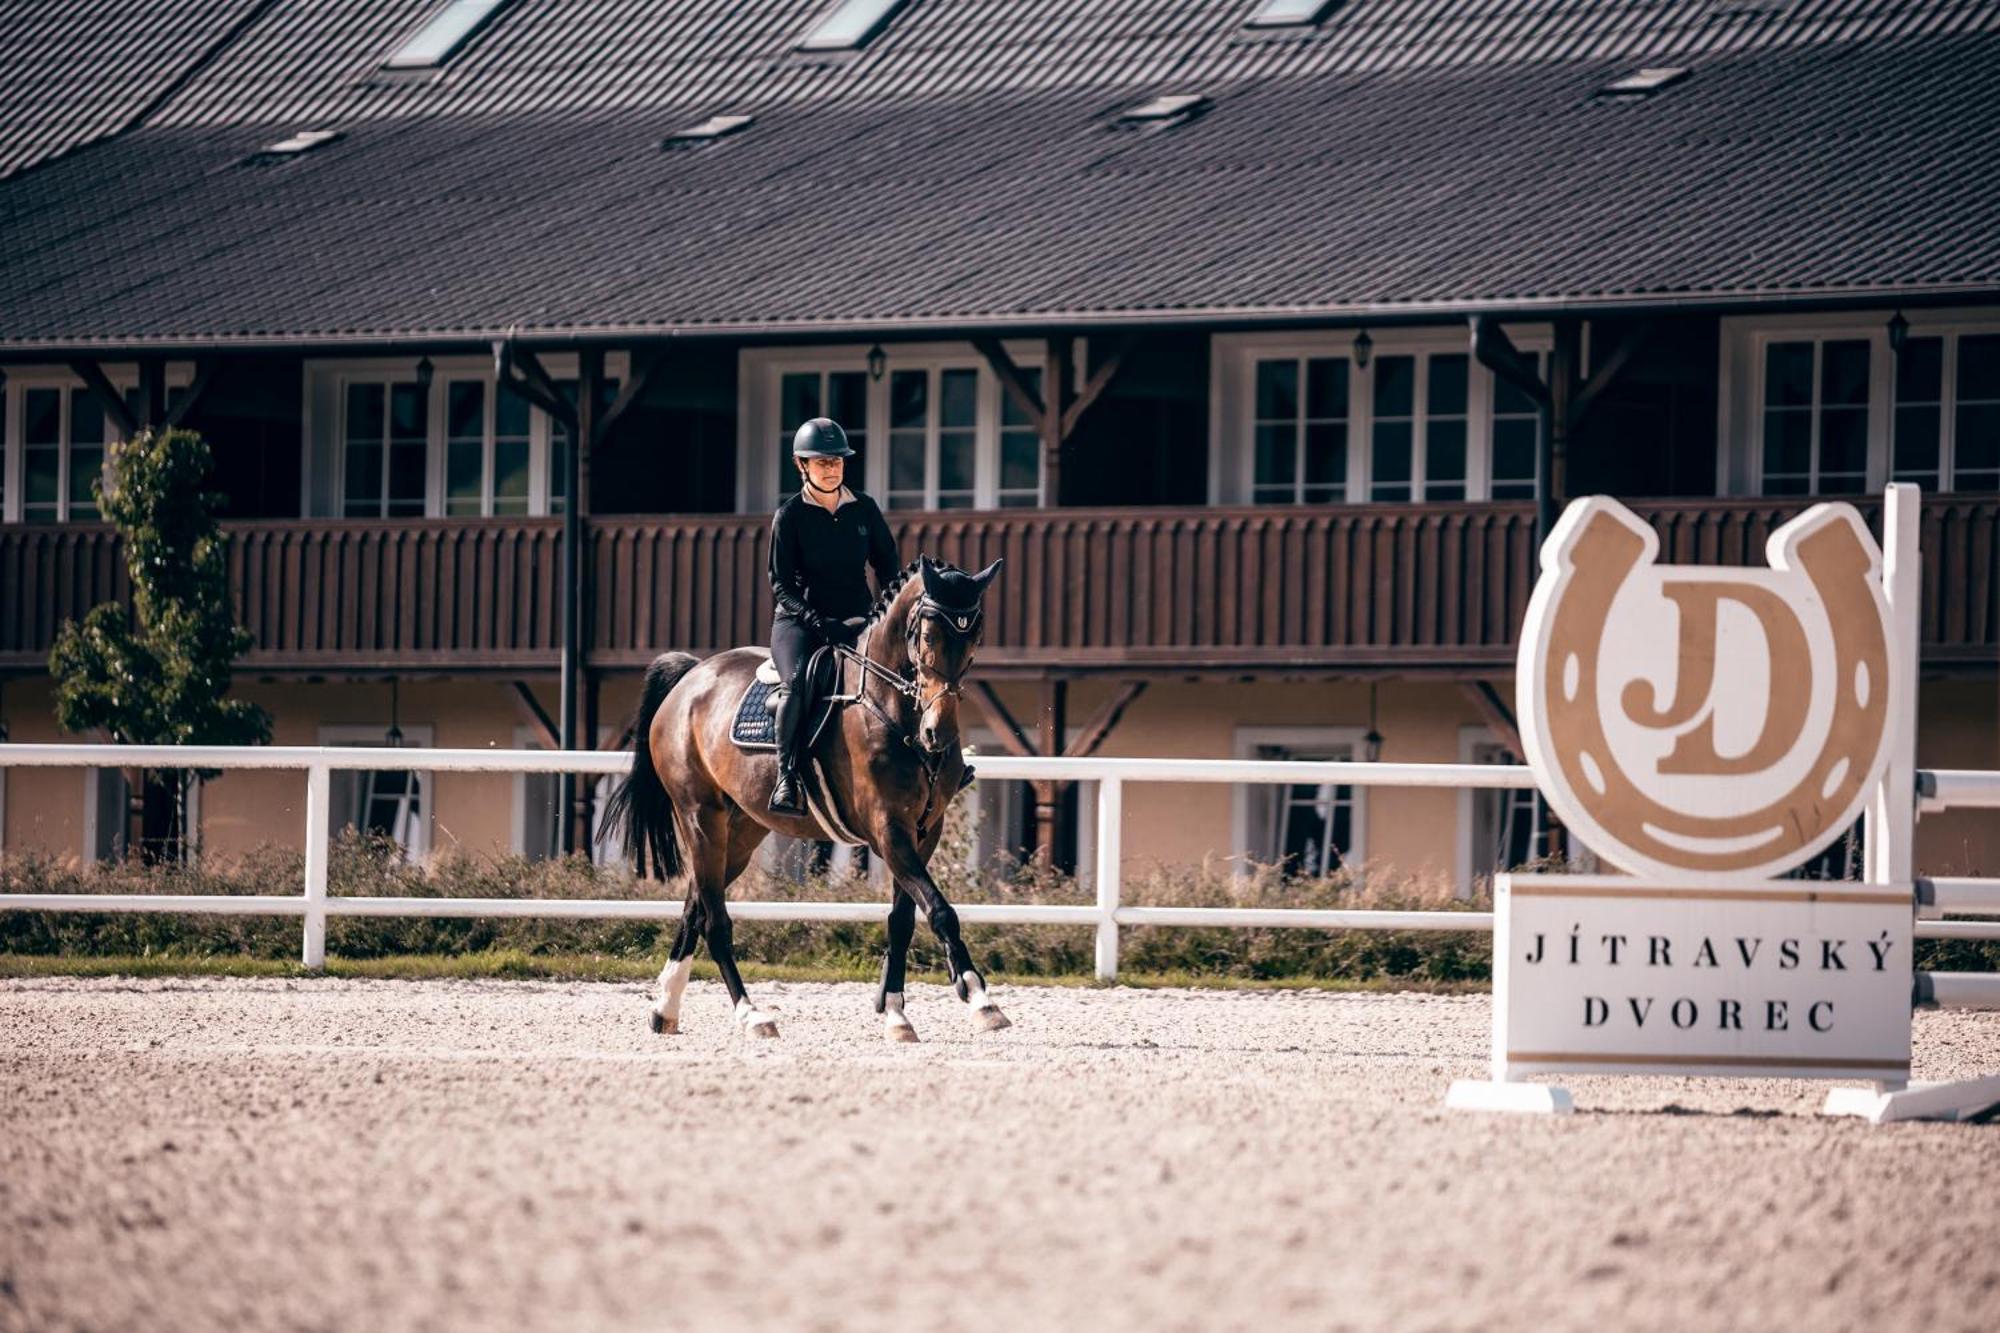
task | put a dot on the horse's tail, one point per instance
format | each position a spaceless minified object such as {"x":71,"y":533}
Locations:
{"x":641,"y":807}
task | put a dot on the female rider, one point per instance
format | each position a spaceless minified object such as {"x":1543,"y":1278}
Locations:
{"x":821,"y":540}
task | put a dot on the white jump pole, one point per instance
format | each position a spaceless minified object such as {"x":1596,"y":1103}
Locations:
{"x":1110,"y":855}
{"x":318,"y":803}
{"x":1890,"y":825}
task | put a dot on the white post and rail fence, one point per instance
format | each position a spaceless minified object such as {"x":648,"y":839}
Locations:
{"x":1929,"y":791}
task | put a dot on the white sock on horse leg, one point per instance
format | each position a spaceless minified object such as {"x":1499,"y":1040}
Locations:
{"x":673,"y":981}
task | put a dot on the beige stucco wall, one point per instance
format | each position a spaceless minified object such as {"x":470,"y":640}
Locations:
{"x":1182,"y":823}
{"x":1410,"y":830}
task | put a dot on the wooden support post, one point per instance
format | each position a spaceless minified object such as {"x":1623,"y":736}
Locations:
{"x":152,"y":392}
{"x":1055,"y":704}
{"x":1058,"y":395}
{"x":204,"y":374}
{"x":532,"y":707}
{"x":116,"y":409}
{"x":574,"y":567}
{"x":1499,"y":717}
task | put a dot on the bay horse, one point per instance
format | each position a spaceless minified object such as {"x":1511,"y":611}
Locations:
{"x":883,"y":768}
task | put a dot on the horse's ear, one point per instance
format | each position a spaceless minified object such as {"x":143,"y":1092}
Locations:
{"x":929,"y":572}
{"x":988,"y":574}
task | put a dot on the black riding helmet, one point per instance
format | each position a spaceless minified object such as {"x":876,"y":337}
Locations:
{"x":821,"y":437}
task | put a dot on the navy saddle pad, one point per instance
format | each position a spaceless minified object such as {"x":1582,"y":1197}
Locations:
{"x":756,"y":724}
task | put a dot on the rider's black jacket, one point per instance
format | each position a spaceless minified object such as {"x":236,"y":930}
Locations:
{"x":819,"y":561}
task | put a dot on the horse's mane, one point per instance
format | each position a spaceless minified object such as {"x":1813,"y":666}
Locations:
{"x":889,"y":590}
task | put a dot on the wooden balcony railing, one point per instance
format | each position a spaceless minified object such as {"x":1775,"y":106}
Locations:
{"x":1411,"y":587}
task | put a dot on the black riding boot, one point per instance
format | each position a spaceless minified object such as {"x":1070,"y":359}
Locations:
{"x":786,"y":798}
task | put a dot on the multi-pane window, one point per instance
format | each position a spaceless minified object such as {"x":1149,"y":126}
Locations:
{"x":1516,"y":440}
{"x":62,"y":440}
{"x":1976,"y":421}
{"x":1301,"y":430}
{"x":933,"y":438}
{"x":1417,"y":448}
{"x":385,"y":442}
{"x":1020,"y":481}
{"x":1815,"y":417}
{"x":1309,"y":825}
{"x":1506,"y":823}
{"x":1947,"y":422}
{"x":62,"y":434}
{"x":486,"y":450}
{"x":805,"y":394}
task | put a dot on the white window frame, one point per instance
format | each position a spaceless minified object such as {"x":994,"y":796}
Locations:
{"x":323,"y":472}
{"x":604,"y":850}
{"x":1740,"y":396}
{"x":1233,"y":359}
{"x":124,"y":377}
{"x":416,"y":736}
{"x":1245,"y":842}
{"x":759,"y":379}
{"x":1471,"y":740}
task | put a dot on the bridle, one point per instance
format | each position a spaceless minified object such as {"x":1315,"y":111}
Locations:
{"x":965,"y":624}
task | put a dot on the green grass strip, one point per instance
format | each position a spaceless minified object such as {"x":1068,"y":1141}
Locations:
{"x":512,"y":965}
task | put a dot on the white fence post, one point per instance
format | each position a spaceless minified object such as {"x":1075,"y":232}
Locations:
{"x":1110,"y":854}
{"x":318,"y":802}
{"x":1890,"y":824}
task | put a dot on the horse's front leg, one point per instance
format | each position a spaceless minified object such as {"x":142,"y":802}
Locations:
{"x":889,"y":997}
{"x":913,"y":878}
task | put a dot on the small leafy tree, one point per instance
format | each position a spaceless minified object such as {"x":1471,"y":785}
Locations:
{"x":159,"y":673}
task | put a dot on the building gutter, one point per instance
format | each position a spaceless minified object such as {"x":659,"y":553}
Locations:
{"x":1220,"y":318}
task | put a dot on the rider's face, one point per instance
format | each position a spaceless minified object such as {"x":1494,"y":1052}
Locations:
{"x":826,"y":473}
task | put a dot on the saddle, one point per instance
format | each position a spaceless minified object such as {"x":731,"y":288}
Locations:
{"x":756,"y":723}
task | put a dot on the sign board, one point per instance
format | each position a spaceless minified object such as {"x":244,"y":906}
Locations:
{"x":1786,"y":978}
{"x":1705,"y":730}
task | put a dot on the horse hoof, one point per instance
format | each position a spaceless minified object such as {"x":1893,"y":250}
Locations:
{"x":900,"y":1032}
{"x":764,"y":1029}
{"x":990,"y":1019}
{"x":664,"y":1025}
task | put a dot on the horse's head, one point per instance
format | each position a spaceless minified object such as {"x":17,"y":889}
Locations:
{"x":941,"y":630}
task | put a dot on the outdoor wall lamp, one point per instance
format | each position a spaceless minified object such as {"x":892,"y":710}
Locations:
{"x":425,"y":372}
{"x":877,"y":360}
{"x":1371,"y":744}
{"x":1363,"y":344}
{"x":1899,"y":332}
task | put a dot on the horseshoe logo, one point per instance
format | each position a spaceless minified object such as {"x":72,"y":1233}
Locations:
{"x":1705,"y":723}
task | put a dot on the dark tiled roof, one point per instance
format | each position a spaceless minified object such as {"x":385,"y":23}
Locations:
{"x":73,"y":71}
{"x":1819,"y":169}
{"x":318,"y":61}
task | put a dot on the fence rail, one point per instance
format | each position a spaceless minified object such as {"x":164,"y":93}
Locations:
{"x":1108,"y":916}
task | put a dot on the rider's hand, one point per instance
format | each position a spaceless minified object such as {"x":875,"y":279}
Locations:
{"x":841,"y":632}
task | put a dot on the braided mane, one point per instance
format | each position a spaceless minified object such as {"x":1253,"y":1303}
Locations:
{"x":889,"y":591}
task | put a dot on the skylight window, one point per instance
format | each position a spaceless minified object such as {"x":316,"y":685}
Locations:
{"x":448,"y":29}
{"x":850,"y":25}
{"x":1645,"y":82}
{"x":715,"y":127}
{"x":1172,"y":107}
{"x":1290,"y":13}
{"x":302,"y":142}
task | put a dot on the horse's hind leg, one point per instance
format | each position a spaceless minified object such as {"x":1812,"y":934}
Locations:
{"x":710,"y":864}
{"x":889,"y":998}
{"x":674,"y":976}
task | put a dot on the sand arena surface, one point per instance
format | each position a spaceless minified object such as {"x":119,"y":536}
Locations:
{"x":323,"y":1154}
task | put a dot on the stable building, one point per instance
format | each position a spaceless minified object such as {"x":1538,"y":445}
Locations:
{"x":1257,"y":337}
